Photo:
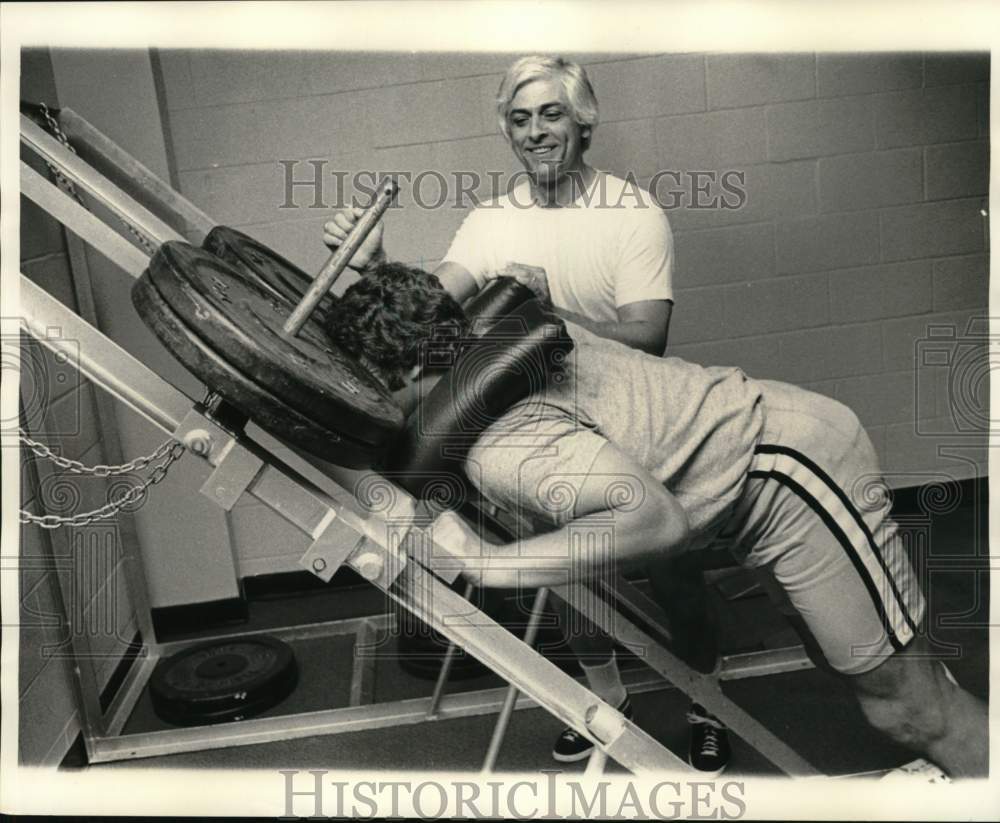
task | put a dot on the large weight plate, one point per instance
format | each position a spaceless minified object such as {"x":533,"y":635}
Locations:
{"x":279,"y":275}
{"x":223,"y":680}
{"x":240,"y":321}
{"x":263,"y":407}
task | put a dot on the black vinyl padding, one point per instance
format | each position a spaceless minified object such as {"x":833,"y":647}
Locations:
{"x":516,"y":348}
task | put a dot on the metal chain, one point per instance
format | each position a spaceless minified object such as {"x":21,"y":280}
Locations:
{"x":67,"y":184}
{"x":132,"y":496}
{"x":101,"y":469}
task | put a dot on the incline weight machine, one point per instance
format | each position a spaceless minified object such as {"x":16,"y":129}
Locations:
{"x":389,"y":546}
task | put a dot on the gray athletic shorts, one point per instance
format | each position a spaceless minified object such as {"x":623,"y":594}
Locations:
{"x":814,"y":524}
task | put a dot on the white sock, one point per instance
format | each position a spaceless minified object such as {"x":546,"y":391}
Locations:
{"x":606,"y":682}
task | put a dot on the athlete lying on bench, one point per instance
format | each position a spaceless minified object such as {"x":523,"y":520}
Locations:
{"x":688,"y":458}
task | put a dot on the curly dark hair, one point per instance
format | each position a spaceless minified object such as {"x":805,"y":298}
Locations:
{"x":396,"y":317}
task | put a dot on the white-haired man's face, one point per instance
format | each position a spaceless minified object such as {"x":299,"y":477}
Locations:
{"x":543,"y":134}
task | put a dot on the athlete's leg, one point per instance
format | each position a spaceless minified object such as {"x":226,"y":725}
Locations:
{"x":912,"y":699}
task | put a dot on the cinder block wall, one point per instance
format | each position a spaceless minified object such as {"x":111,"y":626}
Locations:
{"x":862,"y":231}
{"x":58,"y":407}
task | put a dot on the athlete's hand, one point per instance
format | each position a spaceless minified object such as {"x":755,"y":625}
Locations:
{"x":335,"y":232}
{"x":534,"y":277}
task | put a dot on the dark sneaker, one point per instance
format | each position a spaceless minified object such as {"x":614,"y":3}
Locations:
{"x":709,"y":750}
{"x":572,"y":746}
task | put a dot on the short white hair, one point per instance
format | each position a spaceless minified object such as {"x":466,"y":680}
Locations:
{"x":579,"y":93}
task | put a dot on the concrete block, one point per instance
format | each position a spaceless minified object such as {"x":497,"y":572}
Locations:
{"x":52,"y":273}
{"x":816,"y":128}
{"x":875,"y":292}
{"x":983,"y":108}
{"x":946,"y":69}
{"x":480,"y":168}
{"x":757,"y":356}
{"x":883,"y":398}
{"x":962,"y":283}
{"x":259,"y":532}
{"x":257,"y":192}
{"x":69,"y":426}
{"x":932,"y":230}
{"x":716,"y":140}
{"x":908,"y":450}
{"x":850,"y":182}
{"x":726,"y":255}
{"x":918,"y":116}
{"x":736,"y":80}
{"x":698,"y":315}
{"x":45,"y":378}
{"x":828,"y":242}
{"x":904,"y":337}
{"x":37,"y":80}
{"x":268,"y":130}
{"x":649,"y":86}
{"x":40,"y":234}
{"x":301,"y":241}
{"x":625,"y":148}
{"x":328,"y":72}
{"x":426,"y":112}
{"x":770,"y":191}
{"x":776,"y":305}
{"x":174,"y":67}
{"x":957,"y":170}
{"x":828,"y":353}
{"x":43,"y":712}
{"x":222,"y":77}
{"x":843,"y":74}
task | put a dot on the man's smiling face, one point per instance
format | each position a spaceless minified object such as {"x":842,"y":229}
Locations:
{"x":544,"y":135}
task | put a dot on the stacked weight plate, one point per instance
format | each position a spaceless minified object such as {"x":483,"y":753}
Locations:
{"x":225,"y":326}
{"x":274,"y":272}
{"x":223,"y":680}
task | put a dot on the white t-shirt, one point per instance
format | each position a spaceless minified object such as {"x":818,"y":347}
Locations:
{"x":613,"y":246}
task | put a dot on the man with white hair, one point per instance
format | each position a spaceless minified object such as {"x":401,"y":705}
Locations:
{"x":601,"y":250}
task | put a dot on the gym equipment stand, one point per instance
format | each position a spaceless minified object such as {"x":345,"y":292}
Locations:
{"x":386,"y":549}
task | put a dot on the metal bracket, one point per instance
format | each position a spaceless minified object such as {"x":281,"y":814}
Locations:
{"x":333,"y":542}
{"x":232,"y":477}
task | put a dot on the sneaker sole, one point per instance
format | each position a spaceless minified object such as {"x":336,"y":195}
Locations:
{"x":716,"y":773}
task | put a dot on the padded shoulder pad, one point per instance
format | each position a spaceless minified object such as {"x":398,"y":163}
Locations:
{"x":498,"y":299}
{"x":517,"y":356}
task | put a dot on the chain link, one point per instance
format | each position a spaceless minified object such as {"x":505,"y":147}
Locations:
{"x":67,"y":185}
{"x":134,"y":495}
{"x":101,"y":469}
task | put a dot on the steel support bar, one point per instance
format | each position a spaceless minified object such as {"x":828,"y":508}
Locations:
{"x":705,"y":689}
{"x":328,"y":722}
{"x":107,"y":156}
{"x":500,"y":729}
{"x":306,"y":506}
{"x":81,"y":222}
{"x":95,"y":184}
{"x":102,"y":361}
{"x":447,"y":612}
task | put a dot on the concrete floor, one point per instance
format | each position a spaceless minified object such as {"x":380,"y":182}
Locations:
{"x":813,"y":712}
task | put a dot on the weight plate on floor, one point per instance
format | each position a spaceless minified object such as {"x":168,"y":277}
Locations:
{"x":223,"y":680}
{"x":279,"y":275}
{"x":242,"y":323}
{"x":264,"y":408}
